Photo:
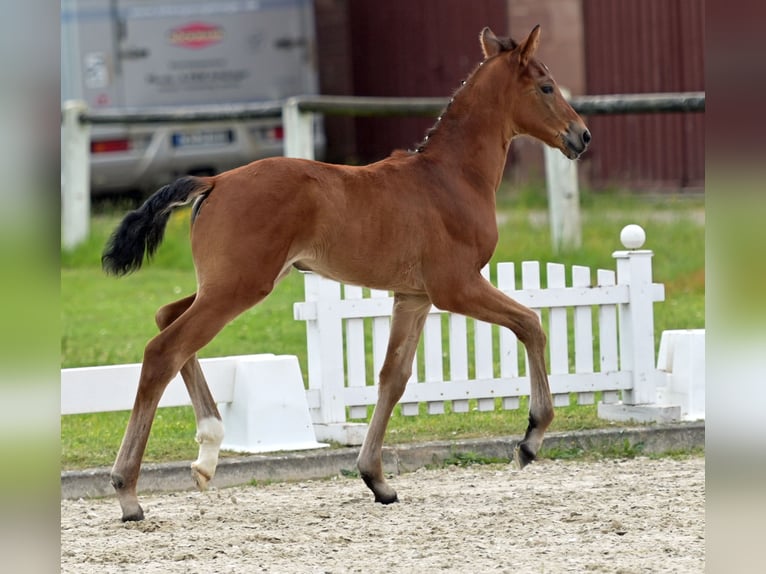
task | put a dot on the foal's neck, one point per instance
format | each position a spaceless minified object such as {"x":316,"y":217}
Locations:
{"x":472,"y":135}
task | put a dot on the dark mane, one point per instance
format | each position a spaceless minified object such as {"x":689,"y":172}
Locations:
{"x":507,"y":44}
{"x":421,"y":146}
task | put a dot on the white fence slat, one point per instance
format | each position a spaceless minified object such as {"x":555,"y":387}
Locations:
{"x":510,"y":403}
{"x":530,"y":280}
{"x":458,"y":356}
{"x":409,"y":408}
{"x":458,"y":348}
{"x":485,"y":404}
{"x":412,"y":409}
{"x":607,"y":334}
{"x":381,"y":327}
{"x":324,"y":344}
{"x":509,"y":344}
{"x":483,"y":344}
{"x":557,"y":324}
{"x":558,"y":338}
{"x":583,"y":332}
{"x":509,"y":347}
{"x":435,"y":407}
{"x":484,"y":363}
{"x":586,"y":398}
{"x":432,"y":355}
{"x":356,"y":370}
{"x":460,"y":406}
{"x":432,"y":343}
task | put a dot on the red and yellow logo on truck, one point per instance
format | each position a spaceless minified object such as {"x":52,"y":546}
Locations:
{"x":196,"y":35}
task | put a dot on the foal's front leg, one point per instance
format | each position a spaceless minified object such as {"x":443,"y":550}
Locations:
{"x":407,"y":321}
{"x":477,"y":298}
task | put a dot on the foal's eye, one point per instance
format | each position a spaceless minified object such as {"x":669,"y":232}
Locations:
{"x":547,"y":89}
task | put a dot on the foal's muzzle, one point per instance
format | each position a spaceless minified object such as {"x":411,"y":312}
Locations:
{"x":576,"y":140}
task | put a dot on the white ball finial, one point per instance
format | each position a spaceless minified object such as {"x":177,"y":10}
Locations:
{"x":632,"y":236}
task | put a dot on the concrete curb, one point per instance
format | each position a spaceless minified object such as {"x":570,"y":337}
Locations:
{"x":324,"y":463}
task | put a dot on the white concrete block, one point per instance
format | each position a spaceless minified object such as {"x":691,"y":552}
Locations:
{"x":349,"y":434}
{"x":639,"y":413}
{"x":268,"y":411}
{"x":682,"y":357}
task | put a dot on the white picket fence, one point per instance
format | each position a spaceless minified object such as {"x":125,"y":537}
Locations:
{"x":600,"y":328}
{"x":610,"y":350}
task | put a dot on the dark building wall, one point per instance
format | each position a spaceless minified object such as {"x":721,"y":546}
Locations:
{"x":425,"y":48}
{"x":645,"y":46}
{"x":405,"y":48}
{"x":561,"y":49}
{"x":333,"y":28}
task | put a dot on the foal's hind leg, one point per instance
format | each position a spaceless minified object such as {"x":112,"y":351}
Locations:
{"x":409,"y":315}
{"x":210,"y":430}
{"x":163,"y":357}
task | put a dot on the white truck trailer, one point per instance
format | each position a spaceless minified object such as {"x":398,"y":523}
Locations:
{"x":137,"y":54}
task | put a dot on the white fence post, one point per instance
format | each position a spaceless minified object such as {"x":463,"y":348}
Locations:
{"x":299,"y":130}
{"x":563,"y":198}
{"x":75,"y":175}
{"x":324,"y":345}
{"x":636,"y":333}
{"x":634,"y":268}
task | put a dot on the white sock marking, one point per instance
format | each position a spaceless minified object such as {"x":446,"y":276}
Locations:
{"x":209,"y":436}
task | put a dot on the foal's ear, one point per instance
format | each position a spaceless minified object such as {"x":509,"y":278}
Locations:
{"x":529,"y":46}
{"x":490,"y":45}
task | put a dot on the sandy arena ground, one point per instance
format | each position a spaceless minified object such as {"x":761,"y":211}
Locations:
{"x":616,"y":516}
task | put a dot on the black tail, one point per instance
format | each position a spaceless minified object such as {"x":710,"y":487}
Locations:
{"x":141,"y":231}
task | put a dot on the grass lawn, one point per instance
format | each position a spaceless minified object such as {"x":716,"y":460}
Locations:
{"x":108,"y":321}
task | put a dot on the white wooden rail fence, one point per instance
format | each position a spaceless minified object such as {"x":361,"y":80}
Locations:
{"x":298,"y":118}
{"x":600,"y":328}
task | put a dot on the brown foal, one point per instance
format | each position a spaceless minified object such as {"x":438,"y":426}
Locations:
{"x":419,"y":223}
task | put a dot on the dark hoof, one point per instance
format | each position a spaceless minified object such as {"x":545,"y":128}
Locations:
{"x":134,"y":516}
{"x":378,"y":490}
{"x":387,"y":499}
{"x":523,"y":456}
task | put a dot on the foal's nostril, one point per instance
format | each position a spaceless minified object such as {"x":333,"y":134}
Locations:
{"x":586,"y":137}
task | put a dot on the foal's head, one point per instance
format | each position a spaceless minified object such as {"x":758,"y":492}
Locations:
{"x":539,"y":108}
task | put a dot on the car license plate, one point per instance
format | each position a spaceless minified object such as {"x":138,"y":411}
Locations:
{"x":202,"y":138}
